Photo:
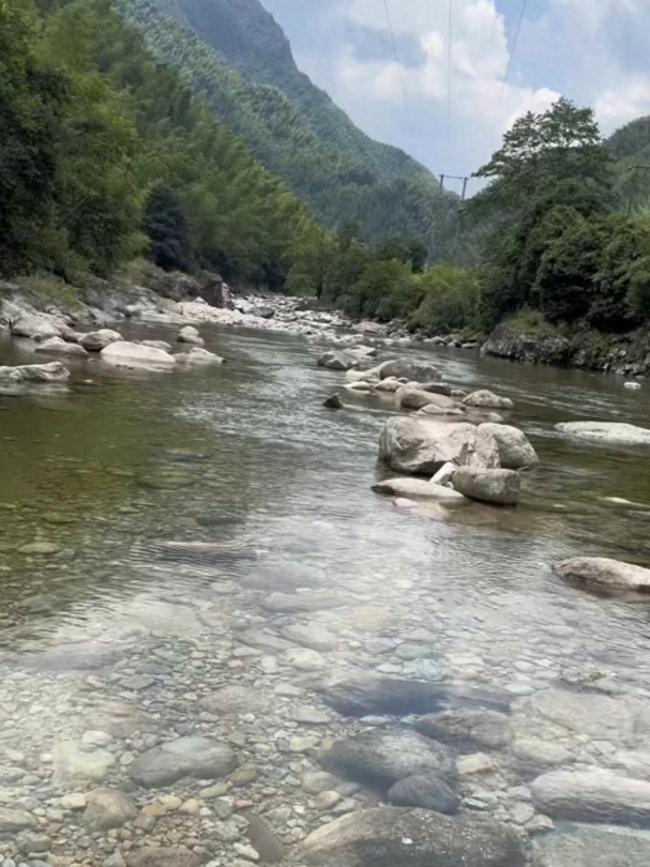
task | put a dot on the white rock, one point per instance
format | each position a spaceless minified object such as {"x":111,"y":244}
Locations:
{"x":123,"y":353}
{"x":95,"y":341}
{"x":606,"y":431}
{"x":58,"y":346}
{"x":604,"y":572}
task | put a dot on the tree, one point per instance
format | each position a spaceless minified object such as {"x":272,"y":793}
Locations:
{"x":166,"y":226}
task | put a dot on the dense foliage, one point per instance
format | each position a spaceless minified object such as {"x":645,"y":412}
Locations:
{"x":238,"y":59}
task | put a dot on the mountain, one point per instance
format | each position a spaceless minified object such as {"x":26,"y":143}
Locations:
{"x":234,"y":54}
{"x":631,"y":148}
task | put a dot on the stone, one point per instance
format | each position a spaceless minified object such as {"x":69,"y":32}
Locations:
{"x":424,"y":790}
{"x":596,"y":795}
{"x":421,"y":445}
{"x":192,"y":756}
{"x":407,"y":486}
{"x":74,"y":762}
{"x":108,"y":808}
{"x":41,"y":548}
{"x":30,"y":842}
{"x":315,"y":782}
{"x":95,"y":341}
{"x":381,"y":758}
{"x":309,"y":600}
{"x":12,"y":820}
{"x":235,"y":699}
{"x":164,"y":856}
{"x":409,"y":369}
{"x":34,"y":325}
{"x":533,"y":754}
{"x":476,"y":763}
{"x":305,"y":659}
{"x":485,"y":399}
{"x":310,"y":634}
{"x":593,"y":714}
{"x":391,"y":836}
{"x":467,"y":729}
{"x":515,"y":450}
{"x":604,"y":572}
{"x":375,"y":695}
{"x":590,"y":846}
{"x":123,"y":353}
{"x":497,"y":486}
{"x":58,"y":346}
{"x":198,"y":355}
{"x":615,"y":432}
{"x":408,"y":397}
{"x":190,"y":334}
{"x":53,"y":373}
{"x":333,"y":401}
{"x":335,"y":360}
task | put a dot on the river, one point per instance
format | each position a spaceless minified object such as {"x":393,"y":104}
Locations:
{"x":113,"y":640}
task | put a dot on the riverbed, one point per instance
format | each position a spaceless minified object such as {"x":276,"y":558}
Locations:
{"x":113,"y":640}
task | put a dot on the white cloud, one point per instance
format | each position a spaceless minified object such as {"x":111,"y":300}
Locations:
{"x":618,"y":105}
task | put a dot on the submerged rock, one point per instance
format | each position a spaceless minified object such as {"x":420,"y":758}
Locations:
{"x":424,"y":790}
{"x":372,"y":694}
{"x":420,"y":446}
{"x":12,"y":820}
{"x":193,"y":756}
{"x":164,"y":856}
{"x":108,"y":808}
{"x":391,"y":836}
{"x":595,"y":795}
{"x":593,"y":714}
{"x":58,"y":346}
{"x":123,"y":353}
{"x":604,"y":572}
{"x":590,"y":846}
{"x":381,"y":758}
{"x":515,"y":450}
{"x":74,"y":763}
{"x":197,"y":355}
{"x":487,"y":399}
{"x":467,"y":729}
{"x":606,"y":431}
{"x":501,"y":487}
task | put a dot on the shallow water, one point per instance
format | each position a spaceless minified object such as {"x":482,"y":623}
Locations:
{"x":245,"y":455}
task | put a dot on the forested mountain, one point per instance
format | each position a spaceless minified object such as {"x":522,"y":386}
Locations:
{"x":631,"y":148}
{"x":237,"y":58}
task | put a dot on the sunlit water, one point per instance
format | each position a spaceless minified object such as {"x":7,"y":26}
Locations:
{"x":245,"y":455}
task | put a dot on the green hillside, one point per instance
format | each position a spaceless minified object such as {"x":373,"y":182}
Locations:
{"x":238,"y":59}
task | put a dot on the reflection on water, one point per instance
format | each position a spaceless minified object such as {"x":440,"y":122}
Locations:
{"x":244,"y":461}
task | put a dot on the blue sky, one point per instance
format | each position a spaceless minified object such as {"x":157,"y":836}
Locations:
{"x":592,"y":51}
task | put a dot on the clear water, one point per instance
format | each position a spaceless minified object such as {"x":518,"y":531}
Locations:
{"x":246,"y":456}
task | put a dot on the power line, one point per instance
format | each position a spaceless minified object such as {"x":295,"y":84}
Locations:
{"x":450,"y":72}
{"x":520,"y":22}
{"x":396,"y":55}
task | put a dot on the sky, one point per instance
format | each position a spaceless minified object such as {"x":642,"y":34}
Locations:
{"x":448,"y":102}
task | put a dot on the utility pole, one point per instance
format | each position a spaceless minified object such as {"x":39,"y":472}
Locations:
{"x":463,"y":178}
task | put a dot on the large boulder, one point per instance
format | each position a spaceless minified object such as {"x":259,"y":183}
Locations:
{"x":391,"y":836}
{"x":123,"y":353}
{"x":420,"y":446}
{"x":592,"y":846}
{"x":592,"y":714}
{"x":515,"y":450}
{"x":58,"y":346}
{"x":381,"y":758}
{"x":604,"y":572}
{"x":374,"y":694}
{"x":615,"y":432}
{"x":95,"y":341}
{"x":501,"y":487}
{"x":424,"y":790}
{"x":193,"y":756}
{"x":407,"y":486}
{"x":595,"y":795}
{"x":335,"y":360}
{"x":35,"y":374}
{"x":485,"y":399}
{"x":37,"y":326}
{"x":534,"y":345}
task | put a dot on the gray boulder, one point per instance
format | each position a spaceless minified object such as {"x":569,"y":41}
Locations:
{"x":193,"y":756}
{"x":335,"y":360}
{"x":604,"y":572}
{"x":424,"y":790}
{"x":58,"y":346}
{"x":95,"y":341}
{"x":12,"y":820}
{"x":467,"y":729}
{"x":486,"y":399}
{"x":596,"y":795}
{"x":391,"y":836}
{"x":501,"y":487}
{"x":35,"y":325}
{"x":592,"y":846}
{"x":108,"y":808}
{"x":123,"y":353}
{"x":515,"y":450}
{"x":615,"y":432}
{"x":420,"y":446}
{"x":409,"y":397}
{"x":381,"y":758}
{"x":409,"y":369}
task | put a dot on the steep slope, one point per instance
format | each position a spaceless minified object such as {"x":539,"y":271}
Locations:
{"x":248,"y":76}
{"x":631,"y":147}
